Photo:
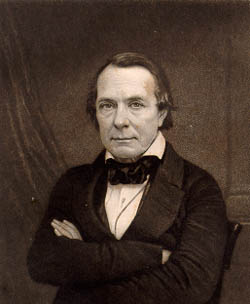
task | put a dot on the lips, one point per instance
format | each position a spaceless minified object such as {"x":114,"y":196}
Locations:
{"x":123,"y":139}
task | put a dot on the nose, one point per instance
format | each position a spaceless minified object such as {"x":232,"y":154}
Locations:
{"x":121,"y":119}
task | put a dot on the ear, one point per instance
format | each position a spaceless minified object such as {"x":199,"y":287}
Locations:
{"x":162,"y":115}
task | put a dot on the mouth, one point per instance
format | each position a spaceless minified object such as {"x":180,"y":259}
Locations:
{"x":123,"y":139}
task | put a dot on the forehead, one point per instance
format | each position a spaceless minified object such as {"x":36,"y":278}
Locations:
{"x":125,"y":81}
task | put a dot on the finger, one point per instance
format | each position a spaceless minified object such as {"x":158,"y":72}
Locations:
{"x":62,"y":230}
{"x":73,"y":230}
{"x":165,"y":255}
{"x":68,"y":230}
{"x":64,"y":224}
{"x":57,"y":232}
{"x":57,"y":221}
{"x":69,"y":224}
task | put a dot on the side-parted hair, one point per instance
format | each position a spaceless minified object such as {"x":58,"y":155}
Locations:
{"x":130,"y":59}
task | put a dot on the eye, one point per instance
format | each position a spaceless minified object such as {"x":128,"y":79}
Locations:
{"x":136,"y":105}
{"x":106,"y":106}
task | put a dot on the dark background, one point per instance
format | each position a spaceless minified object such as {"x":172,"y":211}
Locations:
{"x":49,"y":51}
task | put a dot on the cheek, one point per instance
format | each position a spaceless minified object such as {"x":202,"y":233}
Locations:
{"x":147,"y":124}
{"x":104,"y":129}
{"x":147,"y":130}
{"x":102,"y":122}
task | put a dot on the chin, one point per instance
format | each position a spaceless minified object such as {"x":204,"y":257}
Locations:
{"x":125,"y":154}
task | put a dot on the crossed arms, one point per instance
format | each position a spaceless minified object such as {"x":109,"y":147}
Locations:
{"x":126,"y":267}
{"x":67,"y":229}
{"x":61,"y":260}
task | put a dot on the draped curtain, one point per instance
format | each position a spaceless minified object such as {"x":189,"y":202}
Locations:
{"x":30,"y":162}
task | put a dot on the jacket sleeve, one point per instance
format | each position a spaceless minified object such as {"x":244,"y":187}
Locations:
{"x":193,"y":270}
{"x":59,"y":260}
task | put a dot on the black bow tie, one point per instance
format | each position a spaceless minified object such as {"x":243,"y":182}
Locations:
{"x":131,"y":173}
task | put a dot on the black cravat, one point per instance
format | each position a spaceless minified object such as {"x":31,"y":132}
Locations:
{"x":131,"y":173}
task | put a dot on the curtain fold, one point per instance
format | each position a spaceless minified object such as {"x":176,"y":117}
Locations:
{"x":30,"y":163}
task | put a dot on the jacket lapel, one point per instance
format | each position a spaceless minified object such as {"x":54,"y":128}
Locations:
{"x":162,"y":202}
{"x":159,"y":209}
{"x":90,"y":209}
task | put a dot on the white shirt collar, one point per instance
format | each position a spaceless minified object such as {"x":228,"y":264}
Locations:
{"x":157,"y":148}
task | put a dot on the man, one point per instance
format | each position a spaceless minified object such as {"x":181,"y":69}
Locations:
{"x":140,"y":224}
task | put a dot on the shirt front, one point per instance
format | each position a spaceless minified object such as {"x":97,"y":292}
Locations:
{"x":122,"y":200}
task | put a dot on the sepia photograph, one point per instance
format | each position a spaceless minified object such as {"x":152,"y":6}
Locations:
{"x":125,"y":151}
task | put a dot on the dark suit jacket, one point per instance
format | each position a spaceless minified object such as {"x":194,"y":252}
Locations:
{"x":183,"y":211}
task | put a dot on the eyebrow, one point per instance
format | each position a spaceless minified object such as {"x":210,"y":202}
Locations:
{"x":135,"y":98}
{"x":105,"y":100}
{"x":130,"y":99}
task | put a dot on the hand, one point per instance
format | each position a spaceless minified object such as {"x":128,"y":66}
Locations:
{"x":67,"y":229}
{"x":165,"y":255}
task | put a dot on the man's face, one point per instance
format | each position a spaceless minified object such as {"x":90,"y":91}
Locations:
{"x":126,"y":111}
